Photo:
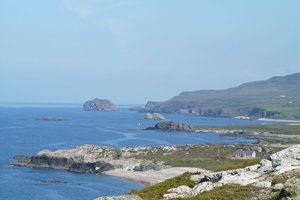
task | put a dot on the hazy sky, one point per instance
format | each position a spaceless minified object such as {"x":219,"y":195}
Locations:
{"x":131,"y":51}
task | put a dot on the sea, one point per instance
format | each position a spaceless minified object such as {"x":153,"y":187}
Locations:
{"x":22,"y":134}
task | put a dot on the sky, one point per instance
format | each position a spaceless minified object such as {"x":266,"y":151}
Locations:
{"x":132,"y":51}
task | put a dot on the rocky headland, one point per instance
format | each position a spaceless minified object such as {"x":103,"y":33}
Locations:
{"x":99,"y":105}
{"x":258,"y":131}
{"x":99,"y":159}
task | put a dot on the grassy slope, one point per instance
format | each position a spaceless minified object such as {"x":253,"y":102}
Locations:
{"x":156,"y":191}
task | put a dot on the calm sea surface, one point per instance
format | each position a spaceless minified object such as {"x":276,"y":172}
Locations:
{"x":21,"y":134}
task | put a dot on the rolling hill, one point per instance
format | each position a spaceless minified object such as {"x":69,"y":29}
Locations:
{"x":277,"y":97}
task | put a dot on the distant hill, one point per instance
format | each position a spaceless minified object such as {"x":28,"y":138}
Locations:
{"x":277,"y":97}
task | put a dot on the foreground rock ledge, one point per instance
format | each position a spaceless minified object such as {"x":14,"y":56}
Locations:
{"x":261,"y":175}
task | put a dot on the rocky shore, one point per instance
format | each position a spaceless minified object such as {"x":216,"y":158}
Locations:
{"x":106,"y":160}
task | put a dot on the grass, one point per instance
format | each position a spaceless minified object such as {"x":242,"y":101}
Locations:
{"x":157,"y":191}
{"x":211,"y":157}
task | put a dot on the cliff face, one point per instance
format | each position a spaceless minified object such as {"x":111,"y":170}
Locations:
{"x":99,"y":105}
{"x":277,"y":97}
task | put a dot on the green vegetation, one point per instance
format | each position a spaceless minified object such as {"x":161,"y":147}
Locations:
{"x":157,"y":191}
{"x":210,"y":157}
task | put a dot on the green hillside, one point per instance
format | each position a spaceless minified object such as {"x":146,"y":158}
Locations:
{"x":277,"y":97}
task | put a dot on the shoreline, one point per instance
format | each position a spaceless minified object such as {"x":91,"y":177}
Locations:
{"x":278,"y":120}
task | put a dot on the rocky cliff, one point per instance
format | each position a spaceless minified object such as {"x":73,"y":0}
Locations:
{"x":99,"y":105}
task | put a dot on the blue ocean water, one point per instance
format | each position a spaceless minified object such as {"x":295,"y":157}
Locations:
{"x":21,"y":134}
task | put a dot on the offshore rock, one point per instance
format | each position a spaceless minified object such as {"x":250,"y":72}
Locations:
{"x":172,"y":126}
{"x":154,"y":116}
{"x":99,"y":105}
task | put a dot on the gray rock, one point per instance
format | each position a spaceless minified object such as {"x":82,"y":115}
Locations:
{"x":99,"y":105}
{"x":278,"y":186}
{"x":291,"y":190}
{"x":265,"y":165}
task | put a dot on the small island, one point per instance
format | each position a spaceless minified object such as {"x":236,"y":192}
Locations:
{"x":99,"y":105}
{"x":154,"y":116}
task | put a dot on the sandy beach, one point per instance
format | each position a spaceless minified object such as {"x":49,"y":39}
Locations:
{"x":279,"y":120}
{"x":151,"y":177}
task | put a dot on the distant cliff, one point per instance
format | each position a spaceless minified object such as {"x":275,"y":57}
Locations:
{"x":277,"y":97}
{"x":99,"y":105}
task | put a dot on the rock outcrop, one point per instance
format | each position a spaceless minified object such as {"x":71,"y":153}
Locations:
{"x":89,"y":159}
{"x":260,"y":175}
{"x":154,"y":116}
{"x":99,"y":105}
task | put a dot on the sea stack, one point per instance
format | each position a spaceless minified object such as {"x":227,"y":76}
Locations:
{"x":154,"y":116}
{"x":99,"y":105}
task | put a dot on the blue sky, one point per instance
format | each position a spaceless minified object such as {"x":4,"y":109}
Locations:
{"x":131,"y":51}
